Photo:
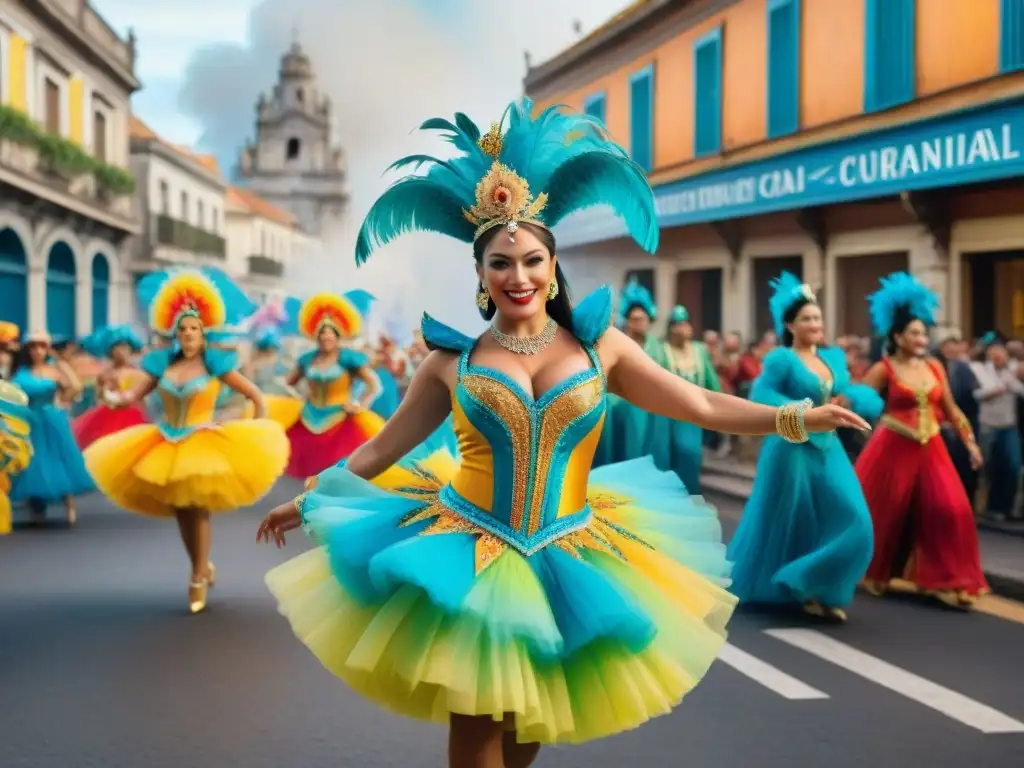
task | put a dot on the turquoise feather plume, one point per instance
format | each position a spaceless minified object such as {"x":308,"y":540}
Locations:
{"x":787,"y":290}
{"x":679,"y":315}
{"x":901,"y":290}
{"x":567,"y":155}
{"x":635,"y":295}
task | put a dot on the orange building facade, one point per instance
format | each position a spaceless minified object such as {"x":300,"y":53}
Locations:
{"x":838,"y":139}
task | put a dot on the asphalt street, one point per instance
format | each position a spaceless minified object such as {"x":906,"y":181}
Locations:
{"x":100,"y":665}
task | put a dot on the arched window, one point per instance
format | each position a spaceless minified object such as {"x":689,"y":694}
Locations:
{"x":293,"y":149}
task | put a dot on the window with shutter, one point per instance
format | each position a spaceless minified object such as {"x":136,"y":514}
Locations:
{"x":707,"y":67}
{"x":52,"y":106}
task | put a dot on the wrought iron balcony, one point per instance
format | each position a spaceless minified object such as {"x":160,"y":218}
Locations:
{"x":264,"y":265}
{"x":181,"y":234}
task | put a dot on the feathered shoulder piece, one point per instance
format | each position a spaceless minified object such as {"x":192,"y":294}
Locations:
{"x":186,"y":293}
{"x":524,"y":169}
{"x":329,"y":310}
{"x":787,"y":290}
{"x":901,"y":291}
{"x":635,"y":295}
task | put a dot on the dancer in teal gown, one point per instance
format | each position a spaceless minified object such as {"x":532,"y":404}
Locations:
{"x":806,"y":535}
{"x":627,"y":429}
{"x":680,"y":444}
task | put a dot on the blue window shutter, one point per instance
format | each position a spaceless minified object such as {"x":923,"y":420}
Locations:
{"x":783,"y":67}
{"x":595,"y":106}
{"x":889,"y":71}
{"x":1011,"y":35}
{"x":641,"y":118}
{"x":707,"y":74}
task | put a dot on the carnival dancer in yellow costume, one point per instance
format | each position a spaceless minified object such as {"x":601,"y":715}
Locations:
{"x":332,"y":423}
{"x":15,"y":446}
{"x":516,"y":596}
{"x":186,"y":466}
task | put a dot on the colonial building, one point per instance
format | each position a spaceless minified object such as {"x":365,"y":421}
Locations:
{"x":181,"y":197}
{"x":294,"y":163}
{"x":840,"y":140}
{"x":66,"y":208}
{"x":263,"y":240}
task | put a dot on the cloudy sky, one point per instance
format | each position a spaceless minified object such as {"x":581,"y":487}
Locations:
{"x":387,"y":65}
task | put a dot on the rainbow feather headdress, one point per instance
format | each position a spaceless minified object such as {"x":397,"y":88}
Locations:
{"x":787,"y":290}
{"x":635,"y":295}
{"x":187,"y":293}
{"x":329,"y":310}
{"x":901,"y":291}
{"x":537,"y":170}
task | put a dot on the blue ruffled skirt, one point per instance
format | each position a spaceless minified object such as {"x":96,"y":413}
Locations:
{"x":806,"y":531}
{"x":57,"y":468}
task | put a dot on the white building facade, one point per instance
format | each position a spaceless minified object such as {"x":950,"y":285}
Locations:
{"x":66,"y":208}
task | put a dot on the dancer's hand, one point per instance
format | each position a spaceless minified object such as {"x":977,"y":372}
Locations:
{"x":280,"y":520}
{"x":825,"y":418}
{"x":841,"y":400}
{"x":976,"y":458}
{"x":352,"y":408}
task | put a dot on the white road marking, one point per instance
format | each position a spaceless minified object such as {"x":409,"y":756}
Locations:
{"x":770,"y":677}
{"x":950,"y":703}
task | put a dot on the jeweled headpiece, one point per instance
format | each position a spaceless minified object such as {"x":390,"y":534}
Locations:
{"x":787,"y":290}
{"x":329,"y":310}
{"x":536,"y":170}
{"x":206,"y":293}
{"x":901,"y":291}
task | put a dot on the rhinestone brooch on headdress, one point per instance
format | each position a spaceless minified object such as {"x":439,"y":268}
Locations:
{"x":503,"y":197}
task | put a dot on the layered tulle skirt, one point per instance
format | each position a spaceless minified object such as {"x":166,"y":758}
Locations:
{"x":806,"y":530}
{"x":57,"y":468}
{"x":5,"y":504}
{"x":313,"y":452}
{"x":217,"y":468}
{"x":592,"y":635}
{"x":101,"y":420}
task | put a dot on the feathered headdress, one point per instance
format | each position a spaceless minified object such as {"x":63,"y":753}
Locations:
{"x":679,"y":315}
{"x":207,"y":281}
{"x":186,"y":293}
{"x":635,"y":295}
{"x":787,"y":290}
{"x":268,"y":338}
{"x":271,"y":316}
{"x":538,"y":171}
{"x":100,"y":342}
{"x":901,"y":291}
{"x":9,"y":332}
{"x":329,"y":310}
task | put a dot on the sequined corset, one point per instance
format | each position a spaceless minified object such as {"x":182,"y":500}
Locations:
{"x":525,"y":461}
{"x":187,"y":407}
{"x":913,"y":412}
{"x":328,"y":391}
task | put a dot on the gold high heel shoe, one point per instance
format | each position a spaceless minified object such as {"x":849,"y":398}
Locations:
{"x":197,"y":593}
{"x":72,"y":516}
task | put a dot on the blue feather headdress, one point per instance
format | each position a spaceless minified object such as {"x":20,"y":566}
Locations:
{"x":635,"y":295}
{"x":538,"y":171}
{"x":100,"y":342}
{"x":787,"y":290}
{"x":268,"y":338}
{"x":901,"y":291}
{"x":679,"y":315}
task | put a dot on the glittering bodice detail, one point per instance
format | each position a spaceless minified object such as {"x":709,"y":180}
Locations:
{"x":914,"y":412}
{"x":187,"y":406}
{"x":525,"y":461}
{"x":328,"y":386}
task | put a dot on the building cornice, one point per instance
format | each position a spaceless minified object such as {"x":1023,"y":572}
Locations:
{"x":157,"y":148}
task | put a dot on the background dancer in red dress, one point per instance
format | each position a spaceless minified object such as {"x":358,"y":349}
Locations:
{"x":924,"y":524}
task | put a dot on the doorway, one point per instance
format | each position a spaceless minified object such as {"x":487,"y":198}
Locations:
{"x":993,"y":294}
{"x":700,"y":291}
{"x":857,"y":278}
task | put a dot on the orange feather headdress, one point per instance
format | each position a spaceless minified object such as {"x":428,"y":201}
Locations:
{"x":186,"y":293}
{"x":332,"y":311}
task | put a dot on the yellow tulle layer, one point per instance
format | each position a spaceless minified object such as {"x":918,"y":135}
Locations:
{"x":280,"y":408}
{"x":217,"y":469}
{"x":416,"y":660}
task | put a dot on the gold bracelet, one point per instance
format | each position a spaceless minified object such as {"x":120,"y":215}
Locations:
{"x":789,"y":422}
{"x":300,"y":506}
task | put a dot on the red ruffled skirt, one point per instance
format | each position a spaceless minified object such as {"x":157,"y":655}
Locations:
{"x":314,"y":452}
{"x":101,"y":420}
{"x":924,"y":524}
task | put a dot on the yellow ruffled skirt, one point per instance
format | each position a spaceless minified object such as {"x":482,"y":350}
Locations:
{"x":217,"y":468}
{"x":5,"y":504}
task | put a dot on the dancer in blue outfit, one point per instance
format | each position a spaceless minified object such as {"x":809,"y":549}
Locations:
{"x":806,"y":535}
{"x":627,"y":429}
{"x":57,"y":471}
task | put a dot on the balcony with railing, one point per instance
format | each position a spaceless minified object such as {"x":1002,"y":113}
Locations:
{"x":265,"y":266}
{"x":181,"y":236}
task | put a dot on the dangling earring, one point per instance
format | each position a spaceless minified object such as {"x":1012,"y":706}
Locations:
{"x":483,"y":298}
{"x":552,"y":289}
